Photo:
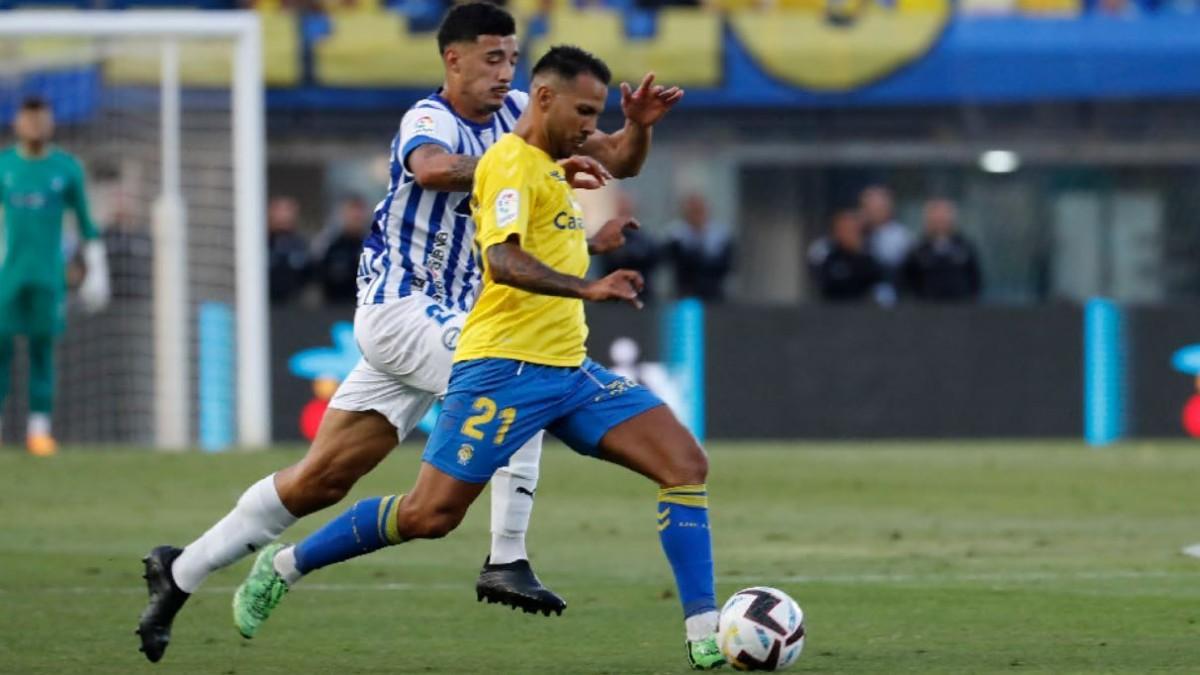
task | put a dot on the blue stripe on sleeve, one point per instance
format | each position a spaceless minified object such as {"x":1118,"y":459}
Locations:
{"x":416,"y":142}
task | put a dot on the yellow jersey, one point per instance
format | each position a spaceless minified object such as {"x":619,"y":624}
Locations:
{"x":520,"y":191}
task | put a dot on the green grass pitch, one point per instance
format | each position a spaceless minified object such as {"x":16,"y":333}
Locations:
{"x":907,"y":558}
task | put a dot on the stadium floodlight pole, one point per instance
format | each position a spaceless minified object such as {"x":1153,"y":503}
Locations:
{"x":249,"y":137}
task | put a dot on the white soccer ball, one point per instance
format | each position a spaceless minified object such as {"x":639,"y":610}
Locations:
{"x":761,"y":628}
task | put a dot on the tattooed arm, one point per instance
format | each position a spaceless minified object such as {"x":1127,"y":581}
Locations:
{"x":438,"y":170}
{"x":510,"y":265}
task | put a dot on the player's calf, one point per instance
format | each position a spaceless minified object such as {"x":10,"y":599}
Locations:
{"x":656,"y":445}
{"x":347,"y":447}
{"x":436,"y":505}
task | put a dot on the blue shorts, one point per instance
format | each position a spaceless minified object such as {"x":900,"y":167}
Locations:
{"x":493,"y":406}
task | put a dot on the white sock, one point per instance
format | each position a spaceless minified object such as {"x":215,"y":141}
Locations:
{"x":507,"y":549}
{"x":513,"y":488}
{"x":39,"y":424}
{"x":700,"y":626}
{"x":285,"y":565}
{"x":257,"y":520}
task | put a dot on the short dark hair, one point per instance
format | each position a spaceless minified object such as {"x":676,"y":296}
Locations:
{"x":34,"y":103}
{"x":465,"y":23}
{"x":569,"y":62}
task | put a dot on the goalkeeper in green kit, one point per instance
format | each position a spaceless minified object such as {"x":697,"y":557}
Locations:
{"x":38,"y":182}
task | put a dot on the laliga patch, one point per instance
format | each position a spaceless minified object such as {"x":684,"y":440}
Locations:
{"x":424,"y":126}
{"x":508,"y":206}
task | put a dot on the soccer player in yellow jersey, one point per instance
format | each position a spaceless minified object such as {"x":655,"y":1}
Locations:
{"x":521,"y":365}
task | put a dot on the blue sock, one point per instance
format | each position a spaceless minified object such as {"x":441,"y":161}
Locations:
{"x":687,"y":541}
{"x":367,"y":526}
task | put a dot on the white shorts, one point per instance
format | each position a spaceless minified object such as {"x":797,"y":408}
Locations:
{"x":407,"y":352}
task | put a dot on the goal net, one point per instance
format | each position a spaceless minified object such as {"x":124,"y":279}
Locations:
{"x":165,"y":111}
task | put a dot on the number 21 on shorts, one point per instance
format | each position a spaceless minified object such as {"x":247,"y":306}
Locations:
{"x":485,"y":411}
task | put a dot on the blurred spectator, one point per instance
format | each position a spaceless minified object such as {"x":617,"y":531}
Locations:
{"x":944,"y":266}
{"x":640,"y":252}
{"x":337,"y":270}
{"x":130,"y":253}
{"x":289,"y":265}
{"x":845,"y":272}
{"x":888,"y":241}
{"x":701,"y":251}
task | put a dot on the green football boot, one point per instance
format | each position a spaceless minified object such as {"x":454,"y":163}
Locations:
{"x":704,"y":654}
{"x":259,"y":594}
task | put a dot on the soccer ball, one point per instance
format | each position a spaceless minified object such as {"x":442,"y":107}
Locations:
{"x":761,"y":628}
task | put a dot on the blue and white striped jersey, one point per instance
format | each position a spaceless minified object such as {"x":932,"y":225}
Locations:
{"x":420,"y":240}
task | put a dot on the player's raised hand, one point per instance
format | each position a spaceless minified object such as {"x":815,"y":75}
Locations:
{"x":585,"y":173}
{"x":622,"y":285}
{"x":611,"y":235}
{"x":648,"y":104}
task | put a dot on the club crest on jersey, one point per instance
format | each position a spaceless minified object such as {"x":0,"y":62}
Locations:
{"x":465,"y":453}
{"x":508,"y":206}
{"x":450,"y":338}
{"x":424,"y":125}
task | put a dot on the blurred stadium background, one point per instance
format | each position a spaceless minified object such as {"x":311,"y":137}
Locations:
{"x":796,"y":212}
{"x":1058,"y":137}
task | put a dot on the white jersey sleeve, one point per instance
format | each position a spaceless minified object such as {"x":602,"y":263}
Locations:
{"x":425,"y":125}
{"x":520,"y":98}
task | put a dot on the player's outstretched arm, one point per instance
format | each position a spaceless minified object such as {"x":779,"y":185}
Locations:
{"x":510,"y":265}
{"x":625,"y":151}
{"x":436,"y":169}
{"x":611,"y":235}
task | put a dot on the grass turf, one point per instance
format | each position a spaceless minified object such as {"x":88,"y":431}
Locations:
{"x":907,"y":558}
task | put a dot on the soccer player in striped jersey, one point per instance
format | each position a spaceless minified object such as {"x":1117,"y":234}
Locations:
{"x":417,"y":278}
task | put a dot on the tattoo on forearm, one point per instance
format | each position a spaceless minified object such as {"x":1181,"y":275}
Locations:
{"x":461,"y":171}
{"x":512,"y":266}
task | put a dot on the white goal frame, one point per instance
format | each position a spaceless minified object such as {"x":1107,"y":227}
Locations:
{"x":171,"y":315}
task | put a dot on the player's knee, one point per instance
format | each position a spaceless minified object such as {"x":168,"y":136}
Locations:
{"x":688,"y":466}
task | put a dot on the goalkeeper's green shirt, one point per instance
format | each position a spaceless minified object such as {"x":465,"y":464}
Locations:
{"x":34,"y":192}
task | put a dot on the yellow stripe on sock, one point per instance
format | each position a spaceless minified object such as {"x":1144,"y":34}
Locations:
{"x":664,"y":525}
{"x":685,"y":500}
{"x":381,"y":517}
{"x":391,"y":530}
{"x":684,"y":489}
{"x":664,"y":513}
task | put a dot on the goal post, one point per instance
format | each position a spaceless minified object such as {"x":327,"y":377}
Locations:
{"x":174,"y":309}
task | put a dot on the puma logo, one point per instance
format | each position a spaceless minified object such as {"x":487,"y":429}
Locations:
{"x":523,"y":491}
